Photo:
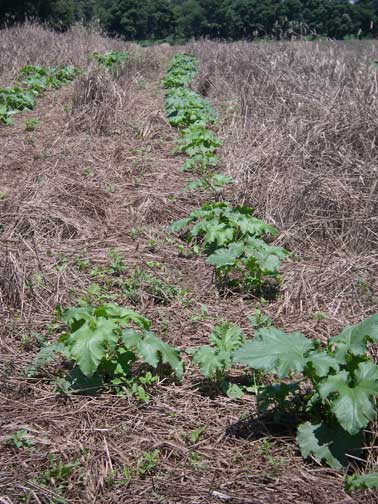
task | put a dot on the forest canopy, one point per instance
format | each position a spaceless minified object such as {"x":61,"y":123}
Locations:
{"x":221,"y":19}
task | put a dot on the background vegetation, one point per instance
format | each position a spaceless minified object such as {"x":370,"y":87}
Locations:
{"x":226,"y":19}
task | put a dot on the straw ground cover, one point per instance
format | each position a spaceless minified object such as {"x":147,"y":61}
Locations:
{"x":85,"y":201}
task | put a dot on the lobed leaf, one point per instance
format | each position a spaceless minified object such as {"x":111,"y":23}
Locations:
{"x":275,"y":352}
{"x":350,"y":399}
{"x":355,"y":339}
{"x":331,"y":445}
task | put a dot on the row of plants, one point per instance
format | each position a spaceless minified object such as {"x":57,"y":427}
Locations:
{"x":32,"y":82}
{"x":233,"y":239}
{"x":192,"y":115}
{"x":329,"y":390}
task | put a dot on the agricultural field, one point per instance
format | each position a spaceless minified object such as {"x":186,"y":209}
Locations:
{"x":188,"y":259}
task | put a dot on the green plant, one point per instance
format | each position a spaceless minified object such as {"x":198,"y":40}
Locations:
{"x":203,"y":315}
{"x":266,"y":452}
{"x":117,"y":265}
{"x":197,"y":140}
{"x":216,"y":359}
{"x":19,"y":439}
{"x":193,"y":436}
{"x":6,"y":114}
{"x":82,"y":263}
{"x":57,"y":474}
{"x":111,"y":58}
{"x":148,"y":462}
{"x":361,"y":481}
{"x":184,"y":108}
{"x":209,"y":181}
{"x":17,"y":98}
{"x":180,"y":72}
{"x":35,"y":80}
{"x":141,"y":282}
{"x":31,"y":124}
{"x":259,"y":319}
{"x":232,"y":238}
{"x":195,"y":460}
{"x":344,"y":384}
{"x":103,"y":343}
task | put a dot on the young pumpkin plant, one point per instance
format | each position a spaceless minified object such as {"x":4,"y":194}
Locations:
{"x":233,"y":240}
{"x":216,"y":359}
{"x":103,"y":343}
{"x":343,"y":379}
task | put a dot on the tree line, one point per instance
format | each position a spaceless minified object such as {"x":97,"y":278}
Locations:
{"x":221,"y":19}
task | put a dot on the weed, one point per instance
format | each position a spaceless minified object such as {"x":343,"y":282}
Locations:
{"x":266,"y":452}
{"x":195,"y":460}
{"x":19,"y":439}
{"x":361,"y":481}
{"x":193,"y":436}
{"x":82,"y":263}
{"x":148,"y":462}
{"x":143,"y":282}
{"x":88,"y":172}
{"x":111,"y":60}
{"x":259,"y":319}
{"x":117,"y":265}
{"x":203,"y":315}
{"x":31,"y":124}
{"x":57,"y":474}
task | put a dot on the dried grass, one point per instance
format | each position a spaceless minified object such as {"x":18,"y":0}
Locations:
{"x":300,"y":127}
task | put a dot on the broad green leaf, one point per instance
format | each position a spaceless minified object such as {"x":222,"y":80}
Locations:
{"x":179,"y":225}
{"x":322,"y":363}
{"x":227,"y":336}
{"x":127,"y":315}
{"x":251,"y":225}
{"x":233,"y":391}
{"x":329,"y":445}
{"x":87,"y":344}
{"x":210,"y":360}
{"x":131,"y":338}
{"x":77,"y":314}
{"x":220,"y":180}
{"x":219,"y":234}
{"x":275,"y":352}
{"x":354,"y":339}
{"x":268,"y":257}
{"x":226,"y":256}
{"x":153,"y":350}
{"x":361,"y":481}
{"x":351,"y":400}
{"x":202,"y":227}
